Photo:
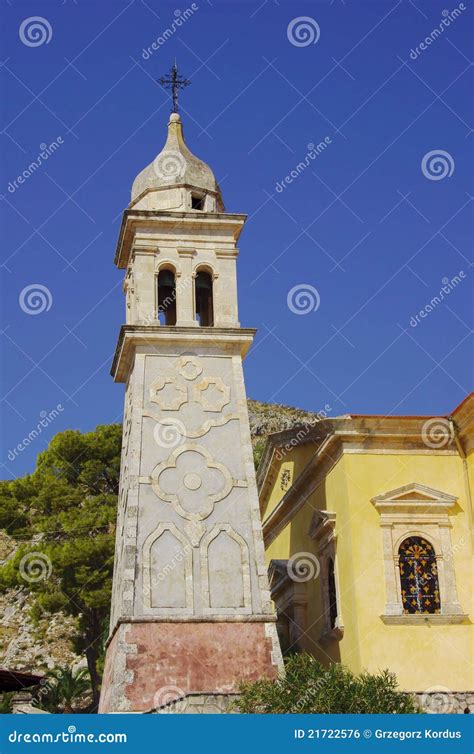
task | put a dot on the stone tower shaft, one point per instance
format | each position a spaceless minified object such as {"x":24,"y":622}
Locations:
{"x":191,"y":609}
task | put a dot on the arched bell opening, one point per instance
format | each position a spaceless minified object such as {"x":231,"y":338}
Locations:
{"x":204,"y":299}
{"x":167,"y":297}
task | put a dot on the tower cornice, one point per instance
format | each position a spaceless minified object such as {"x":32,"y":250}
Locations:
{"x":180,"y":224}
{"x":156,"y":337}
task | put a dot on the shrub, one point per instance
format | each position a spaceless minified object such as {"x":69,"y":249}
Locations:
{"x":308,"y":687}
{"x":6,"y":702}
{"x":65,"y":690}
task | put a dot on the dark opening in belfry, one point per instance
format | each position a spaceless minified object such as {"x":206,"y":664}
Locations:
{"x":204,"y":302}
{"x":167,"y":297}
{"x":197,"y":202}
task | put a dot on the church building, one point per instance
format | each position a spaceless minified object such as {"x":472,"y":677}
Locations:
{"x":368,"y":531}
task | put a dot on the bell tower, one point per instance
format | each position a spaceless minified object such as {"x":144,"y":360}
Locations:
{"x":191,"y":609}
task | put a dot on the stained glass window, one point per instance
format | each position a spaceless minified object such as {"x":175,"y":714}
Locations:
{"x":332,"y":594}
{"x":418,"y":576}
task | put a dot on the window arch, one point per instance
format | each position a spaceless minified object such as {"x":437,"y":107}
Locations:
{"x":204,"y":298}
{"x":332,"y":595}
{"x":418,"y":576}
{"x":167,"y":296}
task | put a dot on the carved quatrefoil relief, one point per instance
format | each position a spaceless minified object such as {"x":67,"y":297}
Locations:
{"x":168,"y":394}
{"x":189,"y":367}
{"x":212,"y":394}
{"x":192,"y":481}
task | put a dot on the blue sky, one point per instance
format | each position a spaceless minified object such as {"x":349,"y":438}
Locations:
{"x":363,"y":224}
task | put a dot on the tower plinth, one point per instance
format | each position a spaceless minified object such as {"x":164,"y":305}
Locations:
{"x":191,"y":609}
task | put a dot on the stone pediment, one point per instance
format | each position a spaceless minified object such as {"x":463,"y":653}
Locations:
{"x":277,"y":572}
{"x":322,"y":527}
{"x":414,"y":497}
{"x":283,"y":585}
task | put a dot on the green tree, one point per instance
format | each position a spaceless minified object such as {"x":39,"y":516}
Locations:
{"x":64,"y":690}
{"x":308,"y":687}
{"x":65,"y":513}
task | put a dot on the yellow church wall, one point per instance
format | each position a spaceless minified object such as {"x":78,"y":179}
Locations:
{"x":470,"y":481}
{"x":293,"y":461}
{"x":422,"y":656}
{"x":470,"y":466}
{"x":330,"y":495}
{"x":279,"y":549}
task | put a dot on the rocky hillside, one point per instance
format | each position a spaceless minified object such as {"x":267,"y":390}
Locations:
{"x":266,"y":418}
{"x":29,"y":643}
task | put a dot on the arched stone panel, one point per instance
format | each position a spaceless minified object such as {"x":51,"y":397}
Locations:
{"x":225,"y":572}
{"x":167,"y":570}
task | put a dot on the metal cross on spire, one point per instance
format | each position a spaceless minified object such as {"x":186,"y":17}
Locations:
{"x":174,"y":82}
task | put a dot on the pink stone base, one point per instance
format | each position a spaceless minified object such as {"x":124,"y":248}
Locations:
{"x":149,"y":664}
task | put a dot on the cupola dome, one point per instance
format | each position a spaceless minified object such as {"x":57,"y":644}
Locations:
{"x":176,"y":180}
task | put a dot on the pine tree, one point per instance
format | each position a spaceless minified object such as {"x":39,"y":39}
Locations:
{"x":64,"y":516}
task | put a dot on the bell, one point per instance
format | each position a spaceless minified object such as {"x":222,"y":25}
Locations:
{"x":166,"y":279}
{"x":203,"y":282}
